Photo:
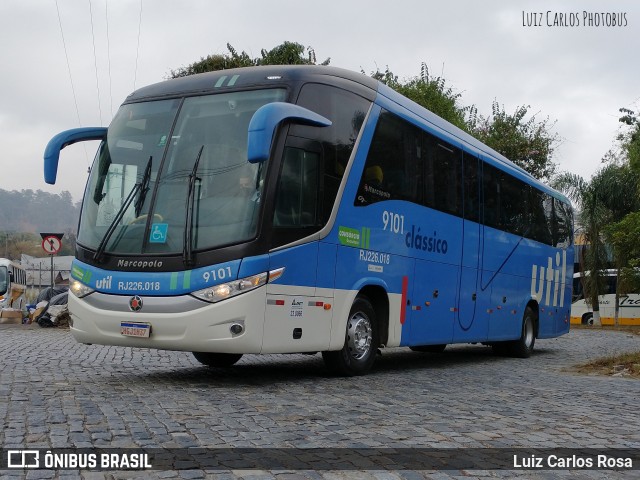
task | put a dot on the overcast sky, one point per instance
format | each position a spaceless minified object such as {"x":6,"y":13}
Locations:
{"x":578,"y":76}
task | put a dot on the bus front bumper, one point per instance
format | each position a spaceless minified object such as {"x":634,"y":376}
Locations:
{"x":176,"y":323}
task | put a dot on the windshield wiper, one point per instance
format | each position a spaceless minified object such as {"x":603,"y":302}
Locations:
{"x":187,"y":250}
{"x":141,"y":187}
{"x":144,"y":188}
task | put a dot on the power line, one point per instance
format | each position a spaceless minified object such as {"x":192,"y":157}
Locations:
{"x":73,"y":90}
{"x":64,"y":45}
{"x":95,"y":61}
{"x":106,"y":15}
{"x":135,"y":72}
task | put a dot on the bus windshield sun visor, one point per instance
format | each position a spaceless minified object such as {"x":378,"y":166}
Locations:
{"x":64,"y":139}
{"x":266,"y":119}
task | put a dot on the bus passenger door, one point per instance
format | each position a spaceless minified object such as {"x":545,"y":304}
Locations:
{"x":296,"y":318}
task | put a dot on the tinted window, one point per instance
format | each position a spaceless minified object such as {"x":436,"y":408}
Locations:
{"x":393,"y":170}
{"x":297,"y":196}
{"x":541,"y":214}
{"x":563,"y":222}
{"x":513,"y":206}
{"x":443,"y":177}
{"x":471,"y":188}
{"x":347,"y":112}
{"x":491,"y":196}
{"x":406,"y":163}
{"x":514,"y":212}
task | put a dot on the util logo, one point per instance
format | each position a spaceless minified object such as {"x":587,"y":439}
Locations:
{"x":104,"y":282}
{"x":552,"y":278}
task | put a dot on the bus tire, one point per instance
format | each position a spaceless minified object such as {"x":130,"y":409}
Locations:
{"x":523,"y":347}
{"x":429,"y":348}
{"x":361,"y":342}
{"x":217,"y":359}
{"x":587,"y":319}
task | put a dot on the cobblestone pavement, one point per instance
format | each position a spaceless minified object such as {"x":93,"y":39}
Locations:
{"x":56,"y":393}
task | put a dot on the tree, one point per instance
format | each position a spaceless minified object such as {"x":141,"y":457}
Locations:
{"x":623,"y":237}
{"x":38,"y":211}
{"x":432,"y":93}
{"x":630,"y":140}
{"x":528,"y":143}
{"x":287,"y":53}
{"x":602,"y":201}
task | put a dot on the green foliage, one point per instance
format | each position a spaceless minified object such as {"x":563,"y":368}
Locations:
{"x":630,"y":140}
{"x":528,"y":143}
{"x":623,"y":237}
{"x":288,"y":53}
{"x":431,"y":92}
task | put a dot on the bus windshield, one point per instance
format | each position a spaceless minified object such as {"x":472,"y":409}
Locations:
{"x":189,"y":172}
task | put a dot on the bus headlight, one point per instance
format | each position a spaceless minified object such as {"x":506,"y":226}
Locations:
{"x":79,"y":289}
{"x":231,"y":289}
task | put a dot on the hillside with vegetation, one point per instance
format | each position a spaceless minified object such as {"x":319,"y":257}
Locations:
{"x":27,"y":213}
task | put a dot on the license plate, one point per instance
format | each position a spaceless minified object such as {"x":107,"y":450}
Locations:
{"x":134,"y":329}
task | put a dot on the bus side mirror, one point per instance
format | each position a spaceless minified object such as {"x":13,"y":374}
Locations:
{"x":266,"y":119}
{"x":63,"y":139}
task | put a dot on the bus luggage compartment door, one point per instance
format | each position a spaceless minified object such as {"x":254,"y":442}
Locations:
{"x":432,"y":307}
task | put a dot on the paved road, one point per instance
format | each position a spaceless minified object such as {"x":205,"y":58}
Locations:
{"x":55,"y":393}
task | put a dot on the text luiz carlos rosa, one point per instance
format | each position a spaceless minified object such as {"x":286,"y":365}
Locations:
{"x":573,"y":461}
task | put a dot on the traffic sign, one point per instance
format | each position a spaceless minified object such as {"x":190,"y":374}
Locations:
{"x":51,"y":244}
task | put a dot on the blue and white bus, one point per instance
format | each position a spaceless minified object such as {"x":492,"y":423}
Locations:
{"x":289,"y":209}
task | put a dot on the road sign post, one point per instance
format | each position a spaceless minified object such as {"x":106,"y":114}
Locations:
{"x":52,"y":243}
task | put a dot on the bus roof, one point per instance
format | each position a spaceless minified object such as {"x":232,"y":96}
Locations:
{"x":235,"y":78}
{"x":272,"y":75}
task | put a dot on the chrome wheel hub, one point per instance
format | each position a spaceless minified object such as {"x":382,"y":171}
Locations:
{"x":359,"y":335}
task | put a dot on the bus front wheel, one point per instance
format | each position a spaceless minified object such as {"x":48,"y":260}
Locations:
{"x":361,"y":342}
{"x":217,"y":359}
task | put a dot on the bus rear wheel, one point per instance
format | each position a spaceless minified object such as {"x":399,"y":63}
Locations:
{"x":217,"y":359}
{"x":523,"y":347}
{"x":361,"y":342}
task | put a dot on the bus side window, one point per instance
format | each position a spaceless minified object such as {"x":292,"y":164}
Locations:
{"x":540,"y":214}
{"x":491,"y":196}
{"x":444,"y":165}
{"x":296,"y":203}
{"x":471,"y":188}
{"x":347,"y":112}
{"x":563,"y":224}
{"x":393,"y":170}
